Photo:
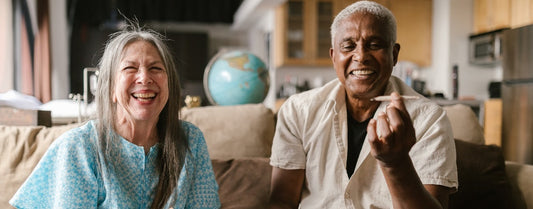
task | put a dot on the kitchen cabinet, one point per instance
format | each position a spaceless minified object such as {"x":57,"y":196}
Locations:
{"x":413,"y":33}
{"x":491,"y":15}
{"x":413,"y":18}
{"x":521,"y":13}
{"x":496,"y":14}
{"x":303,"y":36}
{"x":493,"y":122}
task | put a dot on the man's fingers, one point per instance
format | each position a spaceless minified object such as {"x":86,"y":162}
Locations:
{"x":372,"y":135}
{"x":398,"y":102}
{"x":382,"y":127}
{"x":395,"y":118}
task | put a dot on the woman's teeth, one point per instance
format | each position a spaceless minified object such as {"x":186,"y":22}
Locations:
{"x":144,"y":96}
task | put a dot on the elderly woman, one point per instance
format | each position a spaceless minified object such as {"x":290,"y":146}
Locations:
{"x":137,"y":154}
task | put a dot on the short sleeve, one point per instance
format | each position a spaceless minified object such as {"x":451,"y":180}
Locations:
{"x":287,"y":147}
{"x":64,"y":177}
{"x":434,"y":155}
{"x":203,"y":192}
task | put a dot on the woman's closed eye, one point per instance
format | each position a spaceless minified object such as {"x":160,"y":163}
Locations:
{"x":129,"y":69}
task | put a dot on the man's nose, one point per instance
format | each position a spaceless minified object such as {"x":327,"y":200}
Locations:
{"x":360,"y":54}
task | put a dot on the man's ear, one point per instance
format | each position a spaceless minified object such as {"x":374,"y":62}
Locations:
{"x":395,"y":52}
{"x":331,"y":54}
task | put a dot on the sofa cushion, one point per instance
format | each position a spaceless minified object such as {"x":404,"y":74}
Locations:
{"x":244,"y":183}
{"x":465,"y":124}
{"x":483,"y":182}
{"x":234,"y":131}
{"x":21,"y":148}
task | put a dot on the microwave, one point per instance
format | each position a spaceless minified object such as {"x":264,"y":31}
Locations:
{"x":486,"y":48}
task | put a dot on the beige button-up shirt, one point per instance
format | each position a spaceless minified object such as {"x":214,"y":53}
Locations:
{"x":312,"y":134}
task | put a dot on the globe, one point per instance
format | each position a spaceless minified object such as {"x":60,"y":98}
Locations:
{"x":236,"y":77}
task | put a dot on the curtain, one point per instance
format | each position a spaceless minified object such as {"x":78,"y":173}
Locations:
{"x":32,"y":49}
{"x":42,"y":74}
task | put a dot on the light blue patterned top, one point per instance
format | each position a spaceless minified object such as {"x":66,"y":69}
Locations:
{"x":70,"y":176}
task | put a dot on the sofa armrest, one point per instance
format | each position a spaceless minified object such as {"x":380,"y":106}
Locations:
{"x":21,"y":148}
{"x":521,"y":179}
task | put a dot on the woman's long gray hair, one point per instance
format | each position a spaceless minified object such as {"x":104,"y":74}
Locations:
{"x":174,"y":144}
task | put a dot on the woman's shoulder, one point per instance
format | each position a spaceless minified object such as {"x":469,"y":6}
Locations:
{"x":78,"y":137}
{"x":189,"y":128}
{"x":194,"y":135}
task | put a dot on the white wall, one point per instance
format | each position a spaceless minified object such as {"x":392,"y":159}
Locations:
{"x":452,"y":26}
{"x":259,"y":38}
{"x":6,"y":51}
{"x":473,"y":80}
{"x":437,"y":76}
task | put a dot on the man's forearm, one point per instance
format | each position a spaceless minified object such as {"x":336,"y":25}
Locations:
{"x":406,"y":189}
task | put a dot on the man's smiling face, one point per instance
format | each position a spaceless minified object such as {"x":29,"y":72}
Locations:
{"x":363,"y":55}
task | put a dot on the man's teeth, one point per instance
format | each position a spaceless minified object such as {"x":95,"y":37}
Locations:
{"x":362,"y":72}
{"x":144,"y":95}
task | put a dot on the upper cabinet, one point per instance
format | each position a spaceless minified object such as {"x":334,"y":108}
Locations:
{"x":491,"y":15}
{"x":414,"y":29}
{"x":496,"y":14}
{"x":303,"y":35}
{"x":521,"y":13}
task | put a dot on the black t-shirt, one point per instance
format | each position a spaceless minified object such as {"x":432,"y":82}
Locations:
{"x":356,"y":137}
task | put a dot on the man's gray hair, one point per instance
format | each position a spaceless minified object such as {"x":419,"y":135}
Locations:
{"x":370,"y":7}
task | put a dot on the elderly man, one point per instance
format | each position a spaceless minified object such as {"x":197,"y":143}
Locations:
{"x":337,"y":147}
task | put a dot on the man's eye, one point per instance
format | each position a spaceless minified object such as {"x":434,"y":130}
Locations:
{"x":374,"y":46}
{"x":347,"y":47}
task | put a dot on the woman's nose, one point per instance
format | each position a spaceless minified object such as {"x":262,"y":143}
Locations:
{"x":143,"y":77}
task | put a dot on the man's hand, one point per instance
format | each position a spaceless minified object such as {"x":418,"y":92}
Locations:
{"x":392,"y":134}
{"x":391,"y":137}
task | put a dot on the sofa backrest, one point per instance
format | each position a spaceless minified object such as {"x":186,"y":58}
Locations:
{"x":238,"y":131}
{"x":465,"y":124}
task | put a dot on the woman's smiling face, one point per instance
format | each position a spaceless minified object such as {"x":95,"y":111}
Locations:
{"x":141,"y":83}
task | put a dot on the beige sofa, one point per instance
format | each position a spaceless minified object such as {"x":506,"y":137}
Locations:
{"x":239,"y":140}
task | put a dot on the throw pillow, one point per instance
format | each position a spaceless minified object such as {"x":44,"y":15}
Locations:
{"x":243,"y":183}
{"x":234,"y":131}
{"x":483,"y":182}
